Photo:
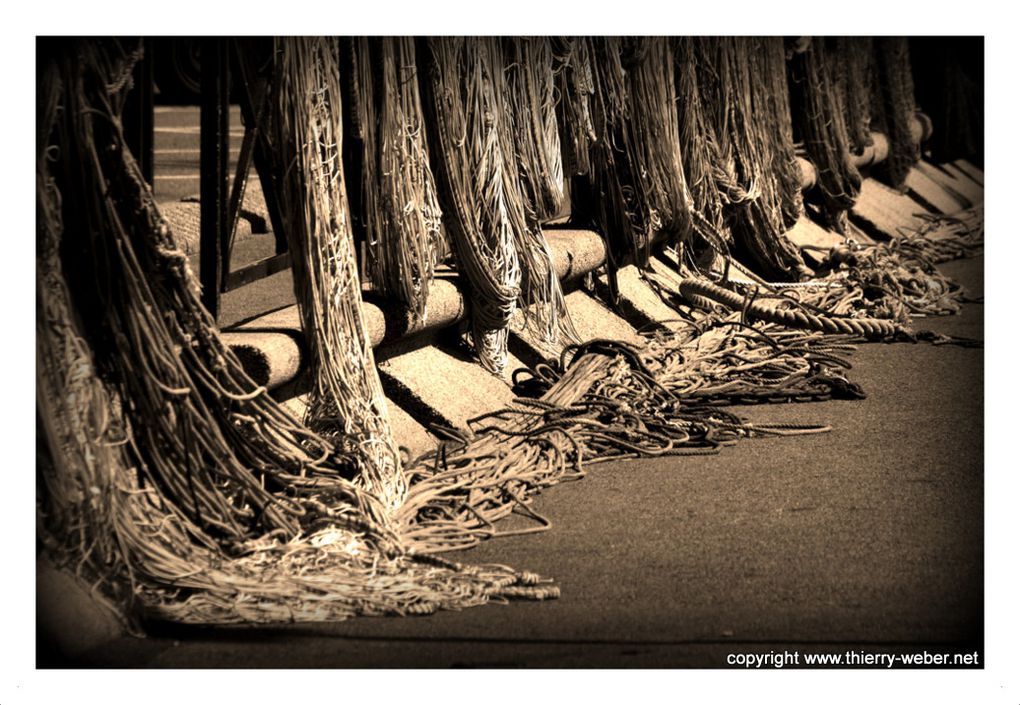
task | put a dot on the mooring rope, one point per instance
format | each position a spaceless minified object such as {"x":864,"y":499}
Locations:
{"x":871,"y":292}
{"x":791,"y":316}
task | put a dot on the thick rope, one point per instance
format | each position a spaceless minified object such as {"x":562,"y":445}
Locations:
{"x":792,"y":316}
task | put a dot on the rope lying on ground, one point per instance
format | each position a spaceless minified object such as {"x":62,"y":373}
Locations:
{"x":899,"y":279}
{"x":785,"y":312}
{"x":723,"y":359}
{"x":606,"y":400}
{"x":602,"y":402}
{"x":871,"y":292}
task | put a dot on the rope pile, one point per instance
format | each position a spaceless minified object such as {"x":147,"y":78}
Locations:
{"x":603,"y":401}
{"x":724,"y":360}
{"x":867,"y":292}
{"x":899,"y":279}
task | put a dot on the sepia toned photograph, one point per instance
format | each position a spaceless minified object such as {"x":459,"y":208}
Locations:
{"x":490,"y":352}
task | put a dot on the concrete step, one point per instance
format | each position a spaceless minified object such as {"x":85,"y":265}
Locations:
{"x":815,"y":241}
{"x":407,"y":432}
{"x":884,"y":212}
{"x":931,"y":194}
{"x":956,"y":182}
{"x":439,"y":382}
{"x":970,"y":170}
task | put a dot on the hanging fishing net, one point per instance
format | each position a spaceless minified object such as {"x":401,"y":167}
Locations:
{"x":893,"y":109}
{"x":173,"y":482}
{"x":852,"y":66}
{"x":182,"y":491}
{"x":463,"y":106}
{"x":529,"y":133}
{"x":820,"y":123}
{"x":629,"y":185}
{"x":496,"y":155}
{"x":398,"y":212}
{"x":739,"y":154}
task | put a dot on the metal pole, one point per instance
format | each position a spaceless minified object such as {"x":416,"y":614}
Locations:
{"x":214,"y":149}
{"x":138,"y":113}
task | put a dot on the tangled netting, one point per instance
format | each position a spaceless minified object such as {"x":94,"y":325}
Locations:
{"x":852,"y":66}
{"x":899,"y":279}
{"x":495,"y":154}
{"x":743,"y":95}
{"x":893,"y":108}
{"x":346,"y":401}
{"x":530,"y":139}
{"x":819,"y":121}
{"x":183,"y":491}
{"x":842,"y":89}
{"x":398,"y":209}
{"x":607,"y":400}
{"x":624,"y":144}
{"x":172,"y":481}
